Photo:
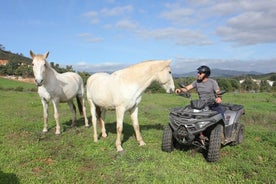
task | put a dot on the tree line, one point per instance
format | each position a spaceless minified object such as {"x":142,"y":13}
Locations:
{"x":227,"y":84}
{"x":20,"y":65}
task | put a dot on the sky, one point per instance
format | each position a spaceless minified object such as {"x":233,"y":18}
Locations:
{"x":108,"y":35}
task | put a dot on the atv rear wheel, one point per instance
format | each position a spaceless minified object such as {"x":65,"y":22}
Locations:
{"x":167,"y":141}
{"x":239,"y":136}
{"x":214,"y":143}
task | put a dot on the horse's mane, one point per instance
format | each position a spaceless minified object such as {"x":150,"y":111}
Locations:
{"x":145,"y":66}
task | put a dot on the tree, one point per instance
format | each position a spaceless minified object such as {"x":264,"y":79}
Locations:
{"x":235,"y":84}
{"x":224,"y":84}
{"x":155,"y":88}
{"x":264,"y":86}
{"x":24,"y":71}
{"x":11,"y":67}
{"x":273,"y":77}
{"x":249,"y":84}
{"x":84,"y":76}
{"x":2,"y":47}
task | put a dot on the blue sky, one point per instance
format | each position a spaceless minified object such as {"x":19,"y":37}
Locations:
{"x":107,"y":35}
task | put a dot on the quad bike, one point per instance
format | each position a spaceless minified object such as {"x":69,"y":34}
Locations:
{"x":197,"y":125}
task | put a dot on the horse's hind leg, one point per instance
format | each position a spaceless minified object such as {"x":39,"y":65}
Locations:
{"x":45,"y":115}
{"x":100,"y":117}
{"x":73,"y":110}
{"x":134,"y":118}
{"x":94,"y":119}
{"x":80,"y":101}
{"x":119,"y":117}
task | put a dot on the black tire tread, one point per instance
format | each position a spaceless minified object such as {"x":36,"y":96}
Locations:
{"x":214,"y":144}
{"x":167,"y":141}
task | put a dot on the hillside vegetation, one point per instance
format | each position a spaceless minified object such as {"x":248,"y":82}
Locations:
{"x":20,"y":65}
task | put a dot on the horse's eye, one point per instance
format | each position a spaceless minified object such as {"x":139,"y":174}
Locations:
{"x":170,"y":72}
{"x":32,"y":64}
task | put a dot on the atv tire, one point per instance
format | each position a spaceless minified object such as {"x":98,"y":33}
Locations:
{"x":168,"y":140}
{"x":239,"y":136}
{"x":214,"y":146}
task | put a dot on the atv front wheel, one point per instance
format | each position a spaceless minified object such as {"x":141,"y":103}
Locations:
{"x":239,"y":136}
{"x":167,"y":141}
{"x":214,"y":144}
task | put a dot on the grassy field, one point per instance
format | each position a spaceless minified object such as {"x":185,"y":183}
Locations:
{"x":29,"y":156}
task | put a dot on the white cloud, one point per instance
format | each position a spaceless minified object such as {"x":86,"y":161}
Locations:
{"x":243,"y":22}
{"x":93,"y":16}
{"x":255,"y":24}
{"x":179,"y":36}
{"x":89,"y":38}
{"x":96,"y":16}
{"x":126,"y":24}
{"x":119,"y":10}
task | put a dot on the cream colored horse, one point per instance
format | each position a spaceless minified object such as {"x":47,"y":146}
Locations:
{"x":122,"y":91}
{"x":56,"y":87}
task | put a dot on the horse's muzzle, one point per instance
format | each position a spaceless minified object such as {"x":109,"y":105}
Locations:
{"x":38,"y":82}
{"x":171,"y":90}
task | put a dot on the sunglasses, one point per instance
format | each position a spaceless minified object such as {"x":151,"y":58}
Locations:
{"x":200,"y":73}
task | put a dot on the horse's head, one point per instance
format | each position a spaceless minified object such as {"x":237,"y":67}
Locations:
{"x":164,"y":77}
{"x":39,"y":67}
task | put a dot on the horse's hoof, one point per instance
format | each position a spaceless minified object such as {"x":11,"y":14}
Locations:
{"x":142,"y":143}
{"x":95,"y":139}
{"x":44,"y":131}
{"x":120,"y":149}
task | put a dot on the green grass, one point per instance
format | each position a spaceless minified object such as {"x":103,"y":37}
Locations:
{"x":29,"y":156}
{"x":7,"y":84}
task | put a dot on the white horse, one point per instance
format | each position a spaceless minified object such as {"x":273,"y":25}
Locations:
{"x":122,"y":91}
{"x":56,"y":87}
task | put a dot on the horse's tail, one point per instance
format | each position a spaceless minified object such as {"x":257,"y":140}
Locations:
{"x":80,"y":105}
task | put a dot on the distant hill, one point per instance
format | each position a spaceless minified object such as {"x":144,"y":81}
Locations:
{"x":221,"y":73}
{"x":18,"y":58}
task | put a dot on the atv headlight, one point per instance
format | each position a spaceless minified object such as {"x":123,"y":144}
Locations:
{"x":202,"y":124}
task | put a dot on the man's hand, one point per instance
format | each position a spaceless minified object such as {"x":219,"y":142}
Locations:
{"x":218,"y":100}
{"x":178,"y":90}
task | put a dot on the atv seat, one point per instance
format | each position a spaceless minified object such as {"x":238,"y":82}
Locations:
{"x":187,"y":112}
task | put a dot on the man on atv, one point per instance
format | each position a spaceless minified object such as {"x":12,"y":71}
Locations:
{"x":207,"y":89}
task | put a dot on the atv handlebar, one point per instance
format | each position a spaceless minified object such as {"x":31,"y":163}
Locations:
{"x":221,"y":92}
{"x":181,"y":85}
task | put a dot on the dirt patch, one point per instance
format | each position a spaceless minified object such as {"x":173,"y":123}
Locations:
{"x":20,"y":79}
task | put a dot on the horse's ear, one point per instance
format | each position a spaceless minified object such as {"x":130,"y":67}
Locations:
{"x":169,"y":61}
{"x":32,"y":54}
{"x":46,"y":55}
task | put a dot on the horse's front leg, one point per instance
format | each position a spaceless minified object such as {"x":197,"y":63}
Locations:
{"x":56,"y":115}
{"x":73,"y":110}
{"x":134,"y":118}
{"x":119,"y":117}
{"x":45,"y":105}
